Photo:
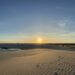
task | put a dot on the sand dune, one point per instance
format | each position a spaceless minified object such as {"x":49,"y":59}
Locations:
{"x":37,"y":62}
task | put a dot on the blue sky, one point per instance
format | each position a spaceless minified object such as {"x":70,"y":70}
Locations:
{"x":22,"y":20}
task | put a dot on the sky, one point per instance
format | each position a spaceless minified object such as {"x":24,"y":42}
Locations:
{"x":24,"y":21}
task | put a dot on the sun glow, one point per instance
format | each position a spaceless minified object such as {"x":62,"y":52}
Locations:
{"x":39,"y":40}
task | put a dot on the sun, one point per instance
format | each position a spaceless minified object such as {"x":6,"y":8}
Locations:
{"x":39,"y":40}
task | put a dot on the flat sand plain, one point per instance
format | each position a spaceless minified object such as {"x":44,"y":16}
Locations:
{"x":37,"y":62}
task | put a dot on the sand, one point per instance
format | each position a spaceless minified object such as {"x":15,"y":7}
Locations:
{"x":37,"y":62}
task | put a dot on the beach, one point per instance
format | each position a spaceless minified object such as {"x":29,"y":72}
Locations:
{"x":37,"y":62}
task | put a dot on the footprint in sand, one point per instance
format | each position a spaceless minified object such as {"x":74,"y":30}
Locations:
{"x":38,"y":65}
{"x":73,"y":73}
{"x":55,"y":73}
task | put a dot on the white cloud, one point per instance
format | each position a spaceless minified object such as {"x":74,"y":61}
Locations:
{"x":62,"y":24}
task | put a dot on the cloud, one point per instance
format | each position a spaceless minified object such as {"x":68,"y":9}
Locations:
{"x":62,"y":24}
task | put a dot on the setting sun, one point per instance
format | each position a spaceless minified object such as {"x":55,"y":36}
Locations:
{"x":39,"y":40}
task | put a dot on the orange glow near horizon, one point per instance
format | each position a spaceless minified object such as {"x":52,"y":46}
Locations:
{"x":31,"y":40}
{"x":36,"y":39}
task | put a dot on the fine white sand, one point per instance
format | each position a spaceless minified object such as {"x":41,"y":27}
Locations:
{"x":37,"y":62}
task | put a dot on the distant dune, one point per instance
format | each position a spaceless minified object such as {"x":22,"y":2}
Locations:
{"x":23,"y":46}
{"x":37,"y":62}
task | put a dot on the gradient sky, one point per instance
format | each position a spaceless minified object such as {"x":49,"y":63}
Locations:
{"x":27,"y":20}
